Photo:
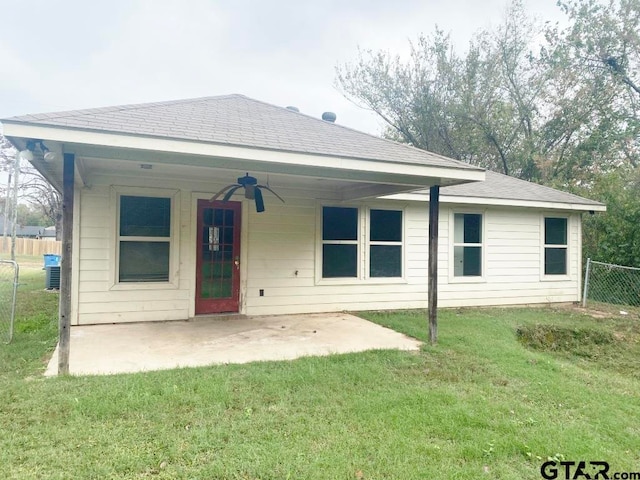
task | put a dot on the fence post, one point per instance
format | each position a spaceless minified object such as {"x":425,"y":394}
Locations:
{"x":586,"y":283}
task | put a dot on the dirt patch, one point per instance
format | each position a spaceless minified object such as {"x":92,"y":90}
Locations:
{"x":602,"y":310}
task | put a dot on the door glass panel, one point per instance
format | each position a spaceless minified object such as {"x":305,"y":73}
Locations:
{"x":217,"y":267}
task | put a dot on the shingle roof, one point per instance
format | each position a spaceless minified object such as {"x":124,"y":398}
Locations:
{"x":241,"y":121}
{"x":501,"y":186}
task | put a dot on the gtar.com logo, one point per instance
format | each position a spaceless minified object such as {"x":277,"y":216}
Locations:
{"x":552,"y":470}
{"x":555,"y":469}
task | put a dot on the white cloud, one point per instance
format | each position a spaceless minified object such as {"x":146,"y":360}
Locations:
{"x":78,"y":54}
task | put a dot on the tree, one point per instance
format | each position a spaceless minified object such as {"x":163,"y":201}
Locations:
{"x":34,"y":189}
{"x":614,"y":236}
{"x":509,"y":103}
{"x":601,"y":48}
{"x":561,"y":109}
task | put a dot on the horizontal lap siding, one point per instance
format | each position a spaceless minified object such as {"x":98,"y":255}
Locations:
{"x":280,"y":248}
{"x":512,"y":259}
{"x":288,"y":245}
{"x":513,"y":255}
{"x":98,"y":301}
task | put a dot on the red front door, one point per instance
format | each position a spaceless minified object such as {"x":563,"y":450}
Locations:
{"x":218,"y":257}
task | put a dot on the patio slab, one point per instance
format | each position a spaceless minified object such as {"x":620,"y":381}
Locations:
{"x":128,"y":348}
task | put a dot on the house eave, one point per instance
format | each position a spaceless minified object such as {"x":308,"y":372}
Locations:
{"x":189,"y":152}
{"x":454,"y":199}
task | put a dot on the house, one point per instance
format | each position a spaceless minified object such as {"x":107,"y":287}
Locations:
{"x":27,"y":231}
{"x":351,"y":234}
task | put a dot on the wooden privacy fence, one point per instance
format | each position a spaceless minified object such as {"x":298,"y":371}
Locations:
{"x":31,"y":246}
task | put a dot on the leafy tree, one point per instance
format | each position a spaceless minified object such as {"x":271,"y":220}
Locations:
{"x":614,"y":236}
{"x":561,"y":108}
{"x":515,"y":103}
{"x":601,"y":49}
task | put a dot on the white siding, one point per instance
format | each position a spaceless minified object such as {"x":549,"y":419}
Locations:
{"x":279,"y":254}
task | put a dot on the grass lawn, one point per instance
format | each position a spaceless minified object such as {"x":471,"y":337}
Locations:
{"x":481,"y":404}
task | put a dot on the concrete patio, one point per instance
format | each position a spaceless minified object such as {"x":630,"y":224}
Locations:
{"x":128,"y":348}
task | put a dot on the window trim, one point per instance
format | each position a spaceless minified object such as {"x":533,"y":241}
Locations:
{"x":543,"y":247}
{"x":355,"y":242}
{"x":114,"y":249}
{"x":363,"y":245}
{"x":368,"y":243}
{"x":452,"y":244}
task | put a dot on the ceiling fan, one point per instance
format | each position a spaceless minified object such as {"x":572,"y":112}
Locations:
{"x":252,"y":191}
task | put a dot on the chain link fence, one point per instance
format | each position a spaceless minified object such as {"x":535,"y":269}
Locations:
{"x":9,"y":273}
{"x":608,"y":283}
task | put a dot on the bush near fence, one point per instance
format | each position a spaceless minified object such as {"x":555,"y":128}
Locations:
{"x":31,"y":246}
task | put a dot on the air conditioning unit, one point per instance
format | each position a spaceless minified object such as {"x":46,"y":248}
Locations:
{"x":52,"y":279}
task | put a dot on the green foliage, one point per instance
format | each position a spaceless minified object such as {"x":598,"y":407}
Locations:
{"x":560,"y":338}
{"x":33,"y":216}
{"x":542,"y":109}
{"x":562,"y":109}
{"x":614,"y":236}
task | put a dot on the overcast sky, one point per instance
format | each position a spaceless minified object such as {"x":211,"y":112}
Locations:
{"x":67,"y":54}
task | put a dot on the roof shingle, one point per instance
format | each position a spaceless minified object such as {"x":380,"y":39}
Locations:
{"x":241,"y":121}
{"x":504,"y":187}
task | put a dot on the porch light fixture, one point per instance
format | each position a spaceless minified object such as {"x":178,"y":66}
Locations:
{"x":27,"y":153}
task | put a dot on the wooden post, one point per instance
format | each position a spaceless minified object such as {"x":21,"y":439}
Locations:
{"x":434,"y":213}
{"x":68,"y":171}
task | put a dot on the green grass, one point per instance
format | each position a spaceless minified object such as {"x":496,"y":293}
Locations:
{"x":483,"y":403}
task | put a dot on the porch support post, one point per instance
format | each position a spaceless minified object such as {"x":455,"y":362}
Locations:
{"x":68,"y":173}
{"x":434,"y":213}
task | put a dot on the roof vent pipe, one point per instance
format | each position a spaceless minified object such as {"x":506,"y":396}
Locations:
{"x":329,"y":117}
{"x":293,"y":109}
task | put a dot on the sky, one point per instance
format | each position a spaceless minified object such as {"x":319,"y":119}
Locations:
{"x":58,"y":55}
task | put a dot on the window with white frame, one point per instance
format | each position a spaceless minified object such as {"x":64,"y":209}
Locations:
{"x":467,"y":245}
{"x":342,"y":246}
{"x":144,"y":238}
{"x":385,"y":243}
{"x":555,"y":246}
{"x":339,"y":242}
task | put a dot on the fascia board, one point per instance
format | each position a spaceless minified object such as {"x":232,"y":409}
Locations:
{"x":446,"y":175}
{"x":416,"y":197}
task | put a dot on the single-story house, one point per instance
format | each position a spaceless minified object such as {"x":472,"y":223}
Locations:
{"x":27,"y":231}
{"x":352,"y":233}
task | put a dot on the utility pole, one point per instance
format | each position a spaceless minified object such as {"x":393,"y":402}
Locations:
{"x":7,"y":211}
{"x":16,"y":174}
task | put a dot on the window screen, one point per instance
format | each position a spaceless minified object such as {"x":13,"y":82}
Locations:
{"x":467,"y":246}
{"x":555,"y":246}
{"x":385,"y":243}
{"x":144,"y":239}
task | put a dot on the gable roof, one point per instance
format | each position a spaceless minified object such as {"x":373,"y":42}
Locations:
{"x":240,"y":121}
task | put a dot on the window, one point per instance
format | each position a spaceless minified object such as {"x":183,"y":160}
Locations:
{"x":555,"y":246}
{"x":385,"y":243}
{"x":467,"y":245}
{"x":144,"y":239}
{"x":339,"y":242}
{"x":342,"y":245}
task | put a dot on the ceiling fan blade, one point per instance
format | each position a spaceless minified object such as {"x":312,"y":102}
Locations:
{"x":217,"y":195}
{"x":268,"y":188}
{"x":259,"y":200}
{"x":231,"y":192}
